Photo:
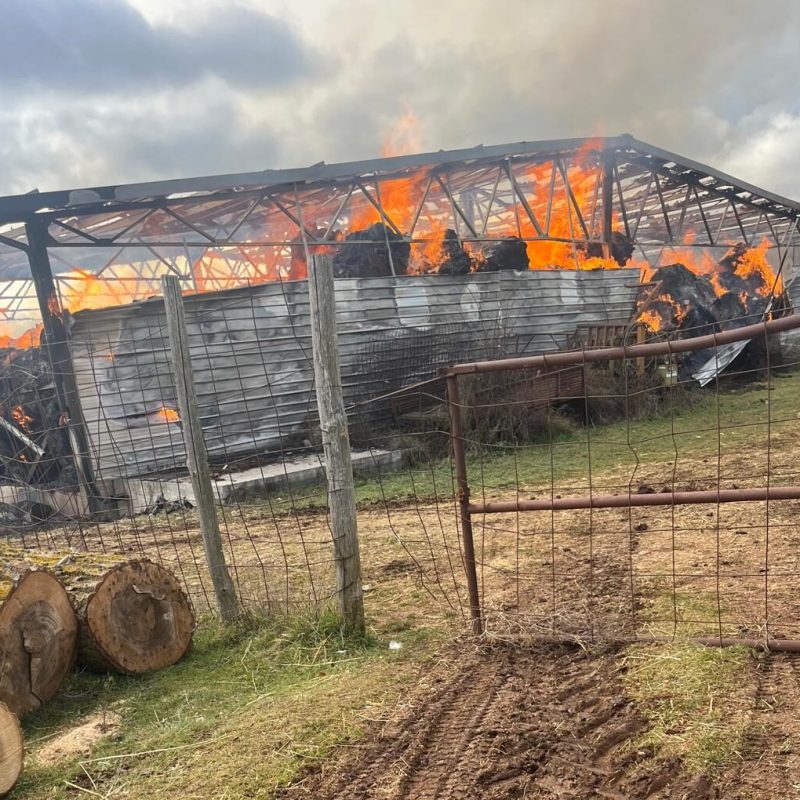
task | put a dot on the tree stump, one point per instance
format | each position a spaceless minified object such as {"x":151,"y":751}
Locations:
{"x":38,"y":636}
{"x":11,"y":750}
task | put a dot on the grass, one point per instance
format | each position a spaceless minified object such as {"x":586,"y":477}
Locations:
{"x":696,"y":700}
{"x":670,"y":438}
{"x":243,"y":714}
{"x":682,"y":614}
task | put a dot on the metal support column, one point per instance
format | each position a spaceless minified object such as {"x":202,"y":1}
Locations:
{"x":56,"y":340}
{"x":608,"y":200}
{"x":460,"y":464}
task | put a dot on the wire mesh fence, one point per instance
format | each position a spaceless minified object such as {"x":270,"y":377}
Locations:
{"x":253,"y":372}
{"x":635,"y":425}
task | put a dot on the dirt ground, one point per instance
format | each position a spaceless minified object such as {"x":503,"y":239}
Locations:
{"x":511,"y":722}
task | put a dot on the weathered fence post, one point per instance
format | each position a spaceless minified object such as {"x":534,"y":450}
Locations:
{"x":196,"y":455}
{"x":336,"y":442}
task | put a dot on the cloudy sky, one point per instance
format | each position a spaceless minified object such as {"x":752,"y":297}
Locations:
{"x":109,"y":91}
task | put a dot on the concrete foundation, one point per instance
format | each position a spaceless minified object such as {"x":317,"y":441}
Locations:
{"x":148,"y":494}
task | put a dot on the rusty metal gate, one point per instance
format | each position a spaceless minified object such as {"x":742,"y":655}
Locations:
{"x":610,"y":572}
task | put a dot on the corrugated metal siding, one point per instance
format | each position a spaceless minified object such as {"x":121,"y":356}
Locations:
{"x":251,"y":352}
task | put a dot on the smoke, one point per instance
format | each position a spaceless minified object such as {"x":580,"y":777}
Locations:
{"x":270,"y":83}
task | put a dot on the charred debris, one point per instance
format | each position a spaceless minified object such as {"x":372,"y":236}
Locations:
{"x":378,"y":251}
{"x":34,"y":445}
{"x":736,"y":291}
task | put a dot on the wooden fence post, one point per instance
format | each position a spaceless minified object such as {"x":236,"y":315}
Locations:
{"x":336,"y":442}
{"x":196,"y":455}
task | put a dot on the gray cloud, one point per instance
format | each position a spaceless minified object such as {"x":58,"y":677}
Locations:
{"x":685,"y":75}
{"x":88,"y":45}
{"x":87,"y":143}
{"x":234,"y":88}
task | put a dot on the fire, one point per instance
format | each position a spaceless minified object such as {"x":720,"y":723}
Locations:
{"x":753,"y":262}
{"x":738,"y":285}
{"x":651,"y":319}
{"x":165,"y":414}
{"x":404,"y":137}
{"x":582,"y":192}
{"x":655,"y":322}
{"x":417,"y":205}
{"x":748,"y":263}
{"x":21,"y":418}
{"x":30,"y":338}
{"x":432,"y":254}
{"x":399,"y":199}
{"x":564,"y":194}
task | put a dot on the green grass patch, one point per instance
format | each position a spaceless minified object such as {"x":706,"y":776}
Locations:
{"x":250,"y":707}
{"x":682,"y":613}
{"x":696,"y":699}
{"x":677,"y":434}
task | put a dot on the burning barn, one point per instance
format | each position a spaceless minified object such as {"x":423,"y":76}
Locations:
{"x":440,"y":257}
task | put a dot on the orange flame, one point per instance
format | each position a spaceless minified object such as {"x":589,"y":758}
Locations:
{"x":165,"y":414}
{"x":651,"y":319}
{"x":404,"y":137}
{"x":581,"y":192}
{"x":28,"y":339}
{"x":655,"y":322}
{"x":21,"y":418}
{"x":749,"y":264}
{"x":754,"y":262}
{"x":564,"y":195}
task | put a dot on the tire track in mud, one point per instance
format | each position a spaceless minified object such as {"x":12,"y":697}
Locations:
{"x":770,"y":766}
{"x":509,"y":723}
{"x":408,"y":747}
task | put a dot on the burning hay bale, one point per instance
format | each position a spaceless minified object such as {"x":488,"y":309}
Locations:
{"x":622,"y":248}
{"x":448,"y":256}
{"x":510,"y":253}
{"x":452,"y":258}
{"x":364,"y":253}
{"x":696,"y":300}
{"x":682,"y":294}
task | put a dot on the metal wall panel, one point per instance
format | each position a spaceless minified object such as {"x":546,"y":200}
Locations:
{"x":251,"y":352}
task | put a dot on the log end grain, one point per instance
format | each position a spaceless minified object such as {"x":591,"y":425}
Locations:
{"x":11,"y":750}
{"x":38,"y":638}
{"x":136,"y":620}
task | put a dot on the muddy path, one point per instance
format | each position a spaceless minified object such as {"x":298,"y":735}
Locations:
{"x":506,"y":722}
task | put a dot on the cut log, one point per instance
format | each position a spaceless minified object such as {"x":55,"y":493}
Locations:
{"x":11,"y":750}
{"x":135,"y":618}
{"x":38,"y":636}
{"x":133,"y":615}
